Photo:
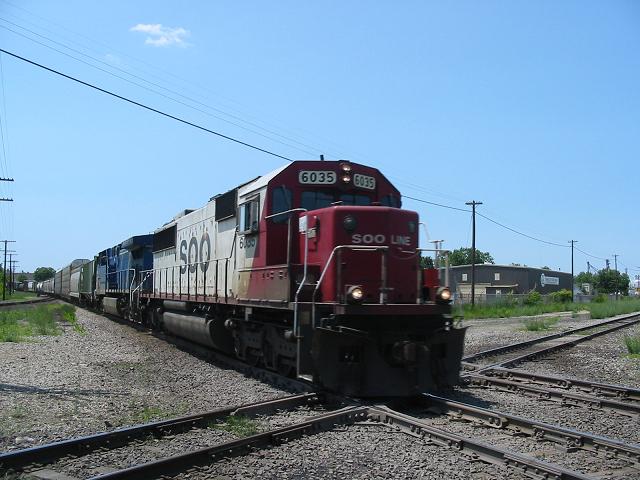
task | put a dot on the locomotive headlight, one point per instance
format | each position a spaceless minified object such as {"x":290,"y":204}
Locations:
{"x":346,"y":178}
{"x":355,"y":294}
{"x":349,"y":223}
{"x":444,"y":294}
{"x":346,"y":168}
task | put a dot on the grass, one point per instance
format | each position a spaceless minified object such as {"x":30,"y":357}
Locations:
{"x":17,"y":325}
{"x":537,"y":324}
{"x":633,"y":345}
{"x":149,"y":413}
{"x":238,"y":425}
{"x":16,"y":295}
{"x":505,"y":310}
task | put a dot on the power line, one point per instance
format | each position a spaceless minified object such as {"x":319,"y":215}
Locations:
{"x":436,"y":204}
{"x":146,"y":107}
{"x":523,"y":234}
{"x":156,"y":85}
{"x":589,"y":255}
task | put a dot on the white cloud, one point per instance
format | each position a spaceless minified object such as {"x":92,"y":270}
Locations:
{"x":161,"y":36}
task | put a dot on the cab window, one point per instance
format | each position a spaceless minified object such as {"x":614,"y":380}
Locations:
{"x":351,"y":199}
{"x":280,"y":202}
{"x":390,"y":201}
{"x":250,"y":216}
{"x":314,"y":200}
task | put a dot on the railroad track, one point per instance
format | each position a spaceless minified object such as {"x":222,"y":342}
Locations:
{"x":34,"y":459}
{"x":519,"y":352}
{"x":570,"y":440}
{"x":76,"y":450}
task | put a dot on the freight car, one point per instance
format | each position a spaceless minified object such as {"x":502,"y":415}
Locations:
{"x":312,"y":270}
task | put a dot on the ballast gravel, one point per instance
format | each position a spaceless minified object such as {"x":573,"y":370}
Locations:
{"x":57,"y":387}
{"x":357,"y":452}
{"x":604,"y":359}
{"x":492,"y":333}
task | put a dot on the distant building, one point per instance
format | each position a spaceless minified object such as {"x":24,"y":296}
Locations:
{"x":503,"y":279}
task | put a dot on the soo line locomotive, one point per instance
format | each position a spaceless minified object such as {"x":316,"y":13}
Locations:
{"x":312,"y":270}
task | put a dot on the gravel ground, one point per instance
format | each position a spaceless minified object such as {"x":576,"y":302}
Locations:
{"x":579,"y":460}
{"x":149,"y":449}
{"x":57,"y":387}
{"x":359,"y":452}
{"x":486,"y":334}
{"x":603,"y":359}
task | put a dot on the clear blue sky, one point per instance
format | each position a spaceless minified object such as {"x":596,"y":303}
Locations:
{"x":531,"y":107}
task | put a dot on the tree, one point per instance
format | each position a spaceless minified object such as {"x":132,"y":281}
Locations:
{"x":585,"y":277}
{"x":426,"y":262}
{"x":612,"y":281}
{"x":43,"y":273}
{"x":462,"y":256}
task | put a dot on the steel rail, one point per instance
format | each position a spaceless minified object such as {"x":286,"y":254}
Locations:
{"x":565,"y":340}
{"x":566,"y":383}
{"x":566,"y":398}
{"x":519,"y":345}
{"x":529,"y":466}
{"x":205,"y":456}
{"x":569,"y":438}
{"x":49,"y":453}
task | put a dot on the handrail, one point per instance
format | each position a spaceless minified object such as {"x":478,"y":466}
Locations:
{"x":296,"y":325}
{"x":326,"y":267}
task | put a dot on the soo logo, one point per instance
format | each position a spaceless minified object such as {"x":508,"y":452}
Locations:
{"x":379,"y":239}
{"x":194,"y":252}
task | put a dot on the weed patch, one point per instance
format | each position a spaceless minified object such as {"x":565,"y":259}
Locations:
{"x":537,"y":324}
{"x":17,"y":325}
{"x":237,"y":425}
{"x":150,"y":413}
{"x":633,"y":344}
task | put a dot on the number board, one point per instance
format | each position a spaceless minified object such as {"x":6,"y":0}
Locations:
{"x":317,"y":177}
{"x":364,"y":181}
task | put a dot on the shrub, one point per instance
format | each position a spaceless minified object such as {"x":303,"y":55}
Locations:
{"x":600,"y":298}
{"x":533,"y":298}
{"x":562,"y":296}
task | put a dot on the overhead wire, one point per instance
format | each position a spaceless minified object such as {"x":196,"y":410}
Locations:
{"x":146,"y":107}
{"x":187,"y":82}
{"x":143,"y":86}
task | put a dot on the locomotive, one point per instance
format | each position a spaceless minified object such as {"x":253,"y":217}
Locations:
{"x":312,"y":270}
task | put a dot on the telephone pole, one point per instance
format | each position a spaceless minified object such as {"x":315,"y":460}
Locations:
{"x":573,"y":242}
{"x":12,"y":272}
{"x":615,"y":261}
{"x":4,"y":269}
{"x":473,"y":204}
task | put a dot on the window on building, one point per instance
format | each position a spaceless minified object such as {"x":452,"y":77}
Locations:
{"x":496,"y":276}
{"x":312,"y":200}
{"x":464,"y":277}
{"x":498,"y":291}
{"x":250,"y":216}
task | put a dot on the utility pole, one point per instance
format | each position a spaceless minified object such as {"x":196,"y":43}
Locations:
{"x":437,"y":245}
{"x":12,"y":272}
{"x":607,"y":264}
{"x":615,"y":261}
{"x":473,"y":204}
{"x":4,"y":269}
{"x":573,"y":242}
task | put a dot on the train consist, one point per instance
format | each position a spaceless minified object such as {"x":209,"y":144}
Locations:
{"x":312,"y":270}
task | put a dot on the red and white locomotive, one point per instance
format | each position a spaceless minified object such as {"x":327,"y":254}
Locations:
{"x":312,"y":270}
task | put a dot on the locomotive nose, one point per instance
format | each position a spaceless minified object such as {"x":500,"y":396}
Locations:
{"x":407,"y":352}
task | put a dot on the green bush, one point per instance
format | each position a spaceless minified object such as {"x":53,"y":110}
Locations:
{"x":600,"y":298}
{"x":536,"y":324}
{"x":633,"y":344}
{"x":533,"y":298}
{"x":562,"y":296}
